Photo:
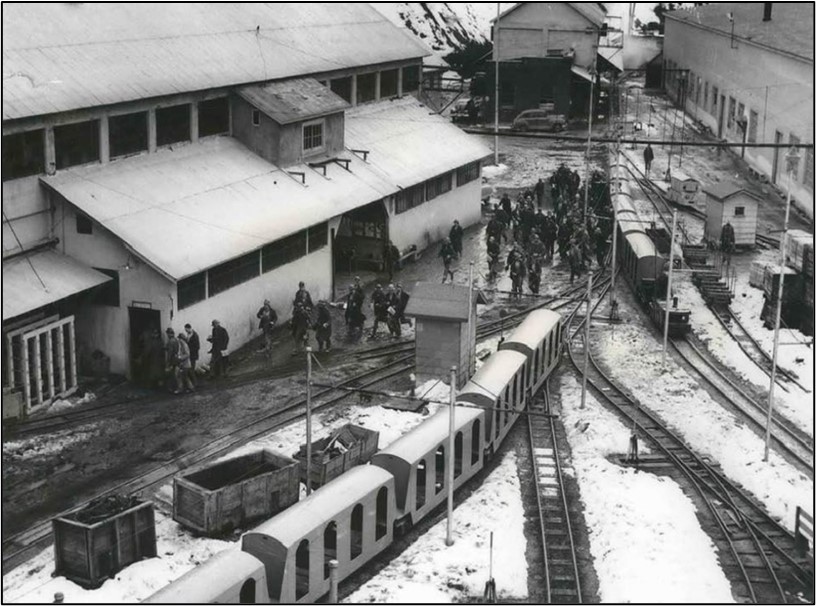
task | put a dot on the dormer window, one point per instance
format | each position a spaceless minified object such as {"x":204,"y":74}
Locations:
{"x":313,"y":136}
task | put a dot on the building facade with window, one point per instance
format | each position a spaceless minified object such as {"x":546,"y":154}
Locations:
{"x":216,"y":172}
{"x":746,"y":71}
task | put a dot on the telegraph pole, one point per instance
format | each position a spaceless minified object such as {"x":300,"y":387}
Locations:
{"x":793,"y":161}
{"x":612,"y":302}
{"x":496,"y":95}
{"x":589,"y":138}
{"x":308,"y":421}
{"x":451,"y":455}
{"x":668,"y":288}
{"x":586,"y":340}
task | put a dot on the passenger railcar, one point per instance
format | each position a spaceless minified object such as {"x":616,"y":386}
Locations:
{"x":354,"y":517}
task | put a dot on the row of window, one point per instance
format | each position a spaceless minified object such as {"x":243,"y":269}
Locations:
{"x":220,"y":278}
{"x":367,"y":84}
{"x":439,"y":464}
{"x":79,"y":143}
{"x":414,"y":196}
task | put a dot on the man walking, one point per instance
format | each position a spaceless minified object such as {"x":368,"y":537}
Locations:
{"x":194,"y":344}
{"x":219,"y":339}
{"x":323,"y":327}
{"x":268,"y":319}
{"x":447,"y":253}
{"x":456,"y":234}
{"x":648,"y":156}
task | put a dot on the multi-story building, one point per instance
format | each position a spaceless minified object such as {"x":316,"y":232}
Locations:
{"x":173,"y":163}
{"x":746,"y":71}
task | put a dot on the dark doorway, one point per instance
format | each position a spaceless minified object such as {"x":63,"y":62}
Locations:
{"x":142,"y":324}
{"x":361,"y":236}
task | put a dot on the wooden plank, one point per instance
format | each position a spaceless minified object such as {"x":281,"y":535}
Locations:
{"x":37,"y":369}
{"x":61,"y":358}
{"x":72,"y":380}
{"x":49,"y":364}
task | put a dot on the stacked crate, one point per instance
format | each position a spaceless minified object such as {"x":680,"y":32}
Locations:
{"x":799,"y":257}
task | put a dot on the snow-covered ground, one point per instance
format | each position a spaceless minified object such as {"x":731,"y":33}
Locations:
{"x":431,"y":572}
{"x":633,"y":356}
{"x":646,"y":542}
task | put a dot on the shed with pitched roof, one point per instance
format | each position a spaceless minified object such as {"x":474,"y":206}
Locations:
{"x":735,"y":205}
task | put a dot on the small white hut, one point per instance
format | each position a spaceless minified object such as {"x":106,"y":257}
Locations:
{"x":729,"y":203}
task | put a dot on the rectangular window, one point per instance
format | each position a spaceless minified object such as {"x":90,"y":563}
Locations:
{"x":732,"y":111}
{"x":213,"y":117}
{"x":23,"y":154}
{"x":409,"y":198}
{"x":410,"y":79}
{"x":84,"y":225}
{"x":342,"y":88}
{"x":714,"y":96}
{"x":172,"y":124}
{"x":107,"y":293}
{"x":753,"y":120}
{"x":192,"y":289}
{"x":283,"y":251}
{"x":366,"y":87}
{"x":739,"y":211}
{"x":232,"y":273}
{"x":467,"y":173}
{"x":256,"y":117}
{"x":313,"y":136}
{"x":388,"y":83}
{"x":318,"y":236}
{"x":76,"y":143}
{"x":697,"y":91}
{"x":438,"y":186}
{"x":127,"y":134}
{"x":705,"y":96}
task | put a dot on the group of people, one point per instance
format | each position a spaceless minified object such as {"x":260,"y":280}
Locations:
{"x":388,"y":306}
{"x":172,"y":362}
{"x":535,"y":233}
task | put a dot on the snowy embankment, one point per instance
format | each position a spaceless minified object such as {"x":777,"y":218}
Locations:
{"x":795,"y":404}
{"x":179,"y":551}
{"x":644,"y":536}
{"x":633,"y":356}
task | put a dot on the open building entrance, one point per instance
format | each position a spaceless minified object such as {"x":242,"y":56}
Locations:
{"x":144,"y":325}
{"x":360,"y":241}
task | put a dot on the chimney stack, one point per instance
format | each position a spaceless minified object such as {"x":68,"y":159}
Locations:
{"x":767,"y":11}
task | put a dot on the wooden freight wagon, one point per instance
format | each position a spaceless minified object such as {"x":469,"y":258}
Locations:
{"x":94,"y":543}
{"x":219,"y":498}
{"x":331,"y":456}
{"x":731,"y":204}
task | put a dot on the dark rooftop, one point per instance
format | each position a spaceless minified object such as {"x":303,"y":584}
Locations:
{"x":722,"y":191}
{"x":790,"y":28}
{"x":293,"y":100}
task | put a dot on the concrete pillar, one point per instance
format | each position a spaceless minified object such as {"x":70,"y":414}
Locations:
{"x":50,"y":151}
{"x":354,"y":89}
{"x":194,"y":122}
{"x":399,"y":82}
{"x":377,"y":86}
{"x":151,"y":130}
{"x":104,"y":140}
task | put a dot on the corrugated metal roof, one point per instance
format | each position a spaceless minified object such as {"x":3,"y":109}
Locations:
{"x":293,"y":100}
{"x":441,"y":301}
{"x":408,"y":141}
{"x":63,"y":276}
{"x":790,"y":28}
{"x":64,"y":56}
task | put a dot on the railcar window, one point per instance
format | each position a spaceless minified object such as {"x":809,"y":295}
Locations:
{"x":329,"y":546}
{"x":420,"y":485}
{"x":382,"y":513}
{"x":439,"y":480}
{"x":457,"y":455}
{"x":302,"y":570}
{"x":247,"y":595}
{"x":356,"y":531}
{"x":475,"y":441}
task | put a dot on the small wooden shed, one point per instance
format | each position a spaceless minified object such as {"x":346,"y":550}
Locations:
{"x":731,"y":203}
{"x":442,"y":335}
{"x":684,"y":189}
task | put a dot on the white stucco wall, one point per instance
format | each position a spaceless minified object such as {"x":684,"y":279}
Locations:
{"x":778,"y":87}
{"x":431,"y":221}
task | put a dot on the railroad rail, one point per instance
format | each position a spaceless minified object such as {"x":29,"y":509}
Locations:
{"x":17,"y":546}
{"x":788,"y":439}
{"x":562,"y":579}
{"x":758,"y":550}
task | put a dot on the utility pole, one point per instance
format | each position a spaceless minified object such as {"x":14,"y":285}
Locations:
{"x":470,"y":352}
{"x":793,"y":162}
{"x":496,"y":95}
{"x":589,"y":138}
{"x":668,"y":288}
{"x":586,"y":340}
{"x":308,"y":421}
{"x":612,"y":302}
{"x":451,"y":455}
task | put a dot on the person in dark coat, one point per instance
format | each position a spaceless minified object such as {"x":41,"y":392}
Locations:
{"x":171,"y":360}
{"x":494,"y":228}
{"x":575,"y":258}
{"x":550,"y":235}
{"x":355,"y":318}
{"x":391,"y":255}
{"x":446,"y":253}
{"x":455,"y":236}
{"x":220,"y":352}
{"x":323,"y":326}
{"x":506,"y":204}
{"x":303,"y":297}
{"x":600,"y":246}
{"x":534,"y":275}
{"x":493,"y":254}
{"x":268,"y":319}
{"x":648,"y":156}
{"x":379,"y":303}
{"x":194,"y":344}
{"x":539,"y":193}
{"x":727,"y":238}
{"x":518,"y":271}
{"x":397,"y":302}
{"x":301,"y":322}
{"x":515,"y":254}
{"x":154,"y":360}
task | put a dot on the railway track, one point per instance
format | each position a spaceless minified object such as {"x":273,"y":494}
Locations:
{"x":17,"y":547}
{"x":754,"y":548}
{"x":751,"y":347}
{"x":562,"y":579}
{"x":790,"y":441}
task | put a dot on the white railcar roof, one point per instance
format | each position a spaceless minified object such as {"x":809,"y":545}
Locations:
{"x":323,"y":505}
{"x":629,"y":225}
{"x":641,"y":245}
{"x":203,"y":583}
{"x":495,"y":374}
{"x":418,"y":442}
{"x":534,"y":328}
